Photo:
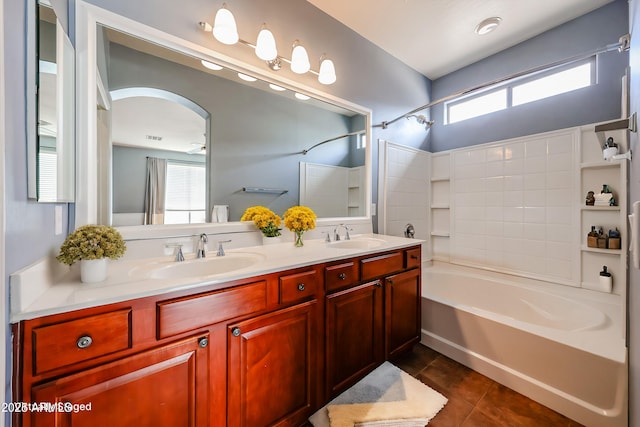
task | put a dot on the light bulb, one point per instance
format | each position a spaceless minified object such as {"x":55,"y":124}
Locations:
{"x":224,"y":27}
{"x":246,"y":78}
{"x":266,"y":45}
{"x":327,"y":73}
{"x":299,"y":59}
{"x":302,"y":97}
{"x":276,"y":87}
{"x":211,"y":65}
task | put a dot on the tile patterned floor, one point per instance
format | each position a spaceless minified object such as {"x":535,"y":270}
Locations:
{"x":475,"y":400}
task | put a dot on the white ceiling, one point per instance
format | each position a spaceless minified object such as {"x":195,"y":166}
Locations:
{"x":436,"y":37}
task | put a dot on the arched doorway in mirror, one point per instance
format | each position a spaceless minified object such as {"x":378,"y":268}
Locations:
{"x":159,"y":143}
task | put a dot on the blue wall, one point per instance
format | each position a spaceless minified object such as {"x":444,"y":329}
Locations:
{"x":588,"y":105}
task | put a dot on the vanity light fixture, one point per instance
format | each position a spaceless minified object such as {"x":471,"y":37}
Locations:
{"x":488,"y":25}
{"x":225,"y":31}
{"x":299,"y":59}
{"x":266,"y":45}
{"x":210,"y":65}
{"x":224,"y":26}
{"x":301,"y":96}
{"x":327,"y":74}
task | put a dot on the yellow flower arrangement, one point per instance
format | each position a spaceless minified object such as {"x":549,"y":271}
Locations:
{"x":299,"y":219}
{"x":264,"y":218}
{"x":92,"y":242}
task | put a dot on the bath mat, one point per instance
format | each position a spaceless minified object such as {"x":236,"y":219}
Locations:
{"x":387,"y":397}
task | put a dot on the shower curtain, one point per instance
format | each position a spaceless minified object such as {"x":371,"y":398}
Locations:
{"x":154,"y":197}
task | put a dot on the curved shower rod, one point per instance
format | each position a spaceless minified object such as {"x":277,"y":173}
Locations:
{"x":360,"y":132}
{"x":621,"y":46}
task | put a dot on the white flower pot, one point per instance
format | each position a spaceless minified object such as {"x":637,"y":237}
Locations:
{"x":93,"y":270}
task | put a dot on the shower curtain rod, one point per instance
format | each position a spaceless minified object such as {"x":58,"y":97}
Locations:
{"x":621,"y":45}
{"x":360,"y":132}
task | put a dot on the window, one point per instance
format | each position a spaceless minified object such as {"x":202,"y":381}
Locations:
{"x":47,"y":175}
{"x":534,"y":87}
{"x":555,"y":84}
{"x":185,"y":193}
{"x":478,"y":106}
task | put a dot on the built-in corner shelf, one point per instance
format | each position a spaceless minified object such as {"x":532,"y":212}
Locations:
{"x":601,"y":208}
{"x":440,"y":194}
{"x":616,"y":252}
{"x":593,"y":173}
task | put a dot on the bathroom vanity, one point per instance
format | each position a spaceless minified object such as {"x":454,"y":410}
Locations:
{"x":267,"y":345}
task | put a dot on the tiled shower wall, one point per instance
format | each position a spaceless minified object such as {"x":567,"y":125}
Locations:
{"x":404,"y":188}
{"x":512,"y":206}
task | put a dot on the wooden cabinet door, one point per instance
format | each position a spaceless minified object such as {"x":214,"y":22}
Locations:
{"x":166,"y":386}
{"x":355,"y":335}
{"x":402,"y":312}
{"x":272,"y":368}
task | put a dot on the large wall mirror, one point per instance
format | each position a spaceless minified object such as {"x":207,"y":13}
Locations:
{"x":51,"y":153}
{"x":181,"y":140}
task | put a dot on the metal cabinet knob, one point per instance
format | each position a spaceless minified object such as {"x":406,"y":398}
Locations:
{"x":342,"y":276}
{"x":301,"y":287}
{"x":203,"y":342}
{"x":84,"y":341}
{"x":235,"y":332}
{"x":378,"y":284}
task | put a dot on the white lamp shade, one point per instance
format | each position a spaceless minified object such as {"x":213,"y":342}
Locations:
{"x":266,"y":45}
{"x":327,"y":73}
{"x":299,"y":59}
{"x":210,"y":65}
{"x":224,"y":27}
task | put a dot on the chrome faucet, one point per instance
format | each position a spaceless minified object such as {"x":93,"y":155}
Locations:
{"x":179,"y":256}
{"x":336,"y":236}
{"x":201,"y":252}
{"x":220,"y":248}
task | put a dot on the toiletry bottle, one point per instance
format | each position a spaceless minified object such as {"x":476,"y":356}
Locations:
{"x":592,"y":238}
{"x":606,"y":281}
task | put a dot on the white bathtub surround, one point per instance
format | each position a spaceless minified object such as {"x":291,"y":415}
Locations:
{"x":561,"y":346}
{"x":512,"y":206}
{"x":404,"y":191}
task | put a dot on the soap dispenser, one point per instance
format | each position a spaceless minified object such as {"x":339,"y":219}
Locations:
{"x":606,"y":281}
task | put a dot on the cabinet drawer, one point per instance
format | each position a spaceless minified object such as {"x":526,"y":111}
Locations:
{"x":340,"y":276}
{"x":188,"y":313}
{"x":66,"y":343}
{"x":381,"y":265}
{"x":296,"y":287}
{"x":412,"y":258}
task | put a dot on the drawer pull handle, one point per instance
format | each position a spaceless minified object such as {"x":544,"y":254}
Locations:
{"x":235,"y":332}
{"x":203,"y":342}
{"x":84,"y":341}
{"x":342,"y":276}
{"x":301,"y":287}
{"x":414,"y":256}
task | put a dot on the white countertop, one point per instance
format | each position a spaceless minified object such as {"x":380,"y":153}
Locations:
{"x":36,"y":291}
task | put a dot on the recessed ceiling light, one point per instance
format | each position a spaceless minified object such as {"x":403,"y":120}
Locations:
{"x":301,"y":96}
{"x":488,"y":25}
{"x":276,"y":88}
{"x":246,"y":78}
{"x":211,"y":65}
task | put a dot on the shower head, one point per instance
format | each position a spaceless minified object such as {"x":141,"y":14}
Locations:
{"x":421,"y":119}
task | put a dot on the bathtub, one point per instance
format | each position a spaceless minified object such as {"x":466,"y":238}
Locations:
{"x":561,"y":346}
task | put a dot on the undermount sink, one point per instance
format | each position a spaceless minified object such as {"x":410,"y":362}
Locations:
{"x":201,"y":267}
{"x":357,"y":243}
